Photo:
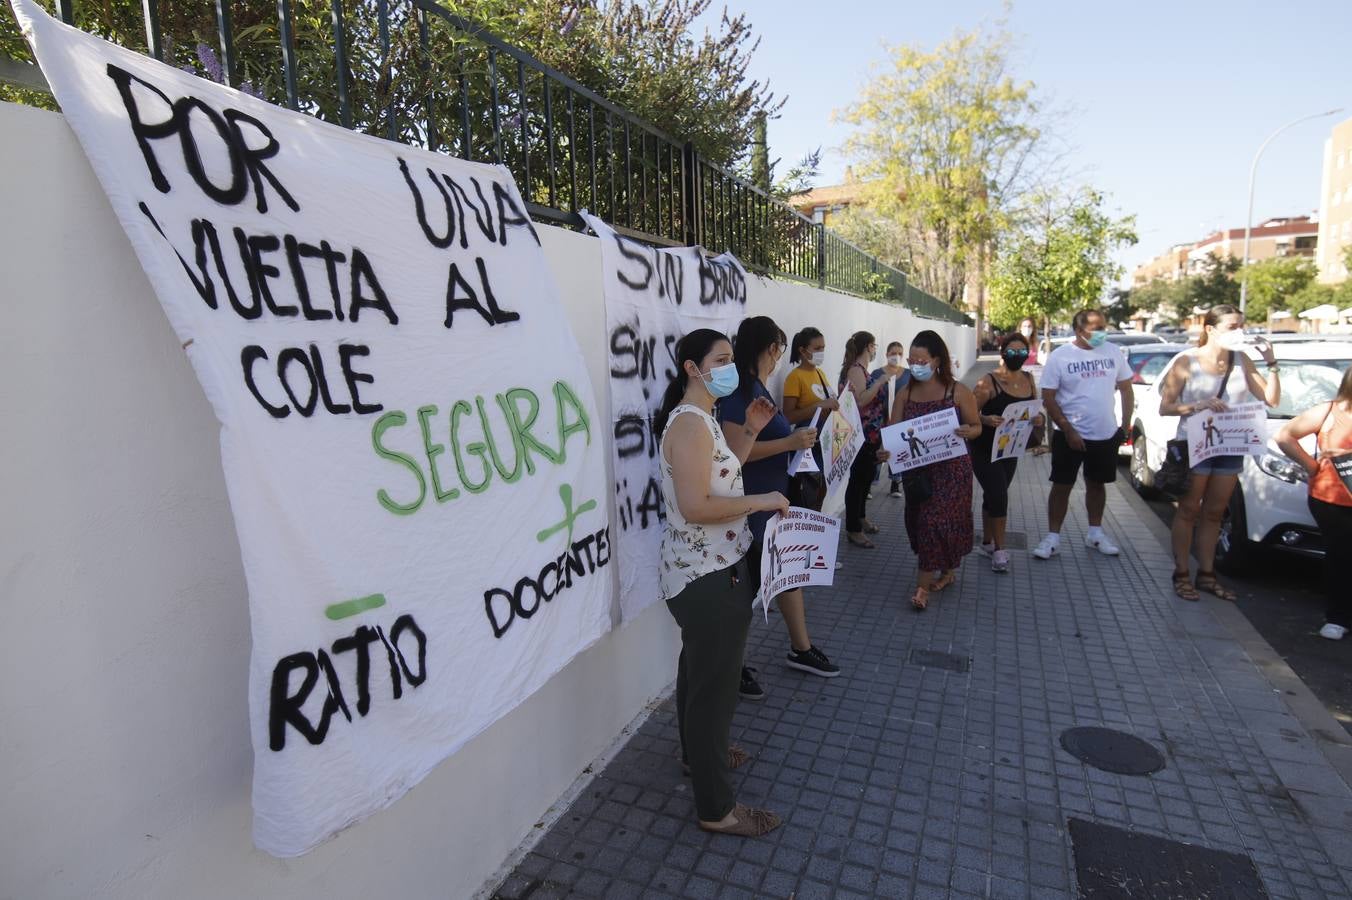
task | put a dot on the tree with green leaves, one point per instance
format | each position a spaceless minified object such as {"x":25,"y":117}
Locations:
{"x":1064,"y":261}
{"x":645,"y":56}
{"x":1274,"y":283}
{"x":942,"y":144}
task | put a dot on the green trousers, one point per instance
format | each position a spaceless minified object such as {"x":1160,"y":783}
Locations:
{"x":714,"y":613}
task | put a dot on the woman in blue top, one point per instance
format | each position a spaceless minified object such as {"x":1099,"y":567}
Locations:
{"x":757,"y":350}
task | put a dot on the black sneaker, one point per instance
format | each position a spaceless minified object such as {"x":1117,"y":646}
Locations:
{"x":812,"y":661}
{"x":750,"y":689}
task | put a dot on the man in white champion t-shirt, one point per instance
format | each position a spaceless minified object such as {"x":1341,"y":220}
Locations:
{"x":1080,"y":383}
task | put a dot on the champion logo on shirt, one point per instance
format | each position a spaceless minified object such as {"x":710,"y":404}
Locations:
{"x":1092,"y":368}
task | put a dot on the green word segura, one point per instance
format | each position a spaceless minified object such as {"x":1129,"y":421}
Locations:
{"x":483,"y":440}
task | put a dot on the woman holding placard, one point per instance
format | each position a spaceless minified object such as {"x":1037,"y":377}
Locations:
{"x":756,"y":352}
{"x":939,"y":525}
{"x":1330,"y":477}
{"x":703,"y":573}
{"x":806,"y":392}
{"x":867,"y":389}
{"x":1007,"y":385}
{"x":1211,"y":377}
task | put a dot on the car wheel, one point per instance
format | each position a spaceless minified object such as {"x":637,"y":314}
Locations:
{"x":1138,"y":473}
{"x":1235,"y":553}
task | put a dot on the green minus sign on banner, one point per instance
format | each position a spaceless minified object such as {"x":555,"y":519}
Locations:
{"x":353,"y":607}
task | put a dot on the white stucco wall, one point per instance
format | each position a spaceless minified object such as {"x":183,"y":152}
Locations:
{"x":125,"y":761}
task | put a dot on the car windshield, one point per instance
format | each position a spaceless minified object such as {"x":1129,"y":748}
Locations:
{"x":1307,"y":383}
{"x":1148,"y":366}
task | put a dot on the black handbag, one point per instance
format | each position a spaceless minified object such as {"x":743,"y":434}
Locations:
{"x":1173,"y":475}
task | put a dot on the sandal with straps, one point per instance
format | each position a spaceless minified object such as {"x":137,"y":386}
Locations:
{"x":1183,"y":587}
{"x":1206,"y":581}
{"x":751,"y":822}
{"x":859,"y":540}
{"x":920,"y":599}
{"x":945,"y":580}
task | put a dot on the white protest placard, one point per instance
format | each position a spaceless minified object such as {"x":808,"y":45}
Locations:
{"x":799,"y":551}
{"x":1240,"y":430}
{"x":803,"y":460}
{"x":923,"y":440}
{"x":423,"y":525}
{"x":840,"y":439}
{"x":653,"y":298}
{"x":1011,"y":435}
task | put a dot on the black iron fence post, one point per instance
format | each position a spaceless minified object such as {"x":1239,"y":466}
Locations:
{"x":690,"y":212}
{"x":820,"y":231}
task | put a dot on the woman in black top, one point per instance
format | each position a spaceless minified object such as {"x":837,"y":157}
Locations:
{"x":994,"y":393}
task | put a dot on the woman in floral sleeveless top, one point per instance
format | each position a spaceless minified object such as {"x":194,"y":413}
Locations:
{"x":704,"y":577}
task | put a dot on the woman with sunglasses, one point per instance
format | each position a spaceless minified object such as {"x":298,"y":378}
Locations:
{"x":994,"y":394}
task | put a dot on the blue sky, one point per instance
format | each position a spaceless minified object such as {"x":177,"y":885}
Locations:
{"x":1165,"y":103}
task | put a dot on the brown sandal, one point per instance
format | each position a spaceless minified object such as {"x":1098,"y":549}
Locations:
{"x":920,"y":599}
{"x":945,"y":580}
{"x":751,"y":822}
{"x":859,"y":540}
{"x":870,"y":528}
{"x":1183,"y":587}
{"x":737,"y":757}
{"x":1206,"y":581}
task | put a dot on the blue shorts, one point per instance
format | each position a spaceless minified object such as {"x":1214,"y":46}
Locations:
{"x":1220,"y":465}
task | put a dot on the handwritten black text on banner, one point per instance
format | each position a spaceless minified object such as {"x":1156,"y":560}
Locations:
{"x":653,"y":298}
{"x":423,"y":524}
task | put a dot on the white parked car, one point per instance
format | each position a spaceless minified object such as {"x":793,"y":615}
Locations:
{"x":1268,"y":508}
{"x":1148,"y":362}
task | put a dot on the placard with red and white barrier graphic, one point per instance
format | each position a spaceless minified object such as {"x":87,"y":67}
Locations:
{"x":799,"y":551}
{"x":1240,"y":430}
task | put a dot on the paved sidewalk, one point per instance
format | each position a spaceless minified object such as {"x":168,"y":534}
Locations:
{"x":903,"y":778}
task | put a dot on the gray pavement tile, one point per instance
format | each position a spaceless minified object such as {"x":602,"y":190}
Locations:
{"x":915,"y":781}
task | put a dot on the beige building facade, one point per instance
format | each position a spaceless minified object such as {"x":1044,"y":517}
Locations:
{"x":1274,"y":238}
{"x":1335,"y":205}
{"x":1171,"y":265}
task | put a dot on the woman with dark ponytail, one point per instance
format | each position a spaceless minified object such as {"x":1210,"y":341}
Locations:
{"x":759,"y":346}
{"x":867,"y":389}
{"x":703,"y":573}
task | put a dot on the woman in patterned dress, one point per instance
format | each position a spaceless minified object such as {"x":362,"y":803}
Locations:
{"x":940,"y":527}
{"x":703,"y":575}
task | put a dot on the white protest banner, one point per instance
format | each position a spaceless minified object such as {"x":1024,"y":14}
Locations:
{"x":1240,"y":430}
{"x":653,"y":298}
{"x":408,"y":433}
{"x":840,"y":439}
{"x":923,"y":440}
{"x":803,"y":460}
{"x":799,"y":551}
{"x":1011,"y":435}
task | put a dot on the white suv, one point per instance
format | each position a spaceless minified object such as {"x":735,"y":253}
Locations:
{"x":1268,"y":508}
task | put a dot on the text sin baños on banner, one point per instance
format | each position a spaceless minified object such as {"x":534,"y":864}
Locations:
{"x":424,"y":530}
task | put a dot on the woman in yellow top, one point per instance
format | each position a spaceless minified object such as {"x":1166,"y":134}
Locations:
{"x":806,"y":390}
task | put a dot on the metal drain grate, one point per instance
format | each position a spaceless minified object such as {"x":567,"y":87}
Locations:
{"x":1115,"y":864}
{"x":1112,"y":751}
{"x":936,"y":659}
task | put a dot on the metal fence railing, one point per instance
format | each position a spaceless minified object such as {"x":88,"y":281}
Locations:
{"x":413,"y":71}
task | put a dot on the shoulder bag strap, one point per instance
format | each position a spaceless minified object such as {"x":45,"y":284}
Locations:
{"x":1225,"y":379}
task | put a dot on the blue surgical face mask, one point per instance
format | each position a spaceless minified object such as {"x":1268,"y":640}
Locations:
{"x":721,"y":381}
{"x":1096,"y":338}
{"x":922,"y":371}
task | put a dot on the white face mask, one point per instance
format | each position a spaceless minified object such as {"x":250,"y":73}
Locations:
{"x":819,"y":357}
{"x":1230,"y":340}
{"x":894,"y":360}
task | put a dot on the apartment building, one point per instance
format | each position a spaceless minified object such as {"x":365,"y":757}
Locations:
{"x":1273,"y":238}
{"x":1171,"y":265}
{"x":1335,"y":205}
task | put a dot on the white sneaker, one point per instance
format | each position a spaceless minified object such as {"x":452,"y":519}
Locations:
{"x":1102,"y":545}
{"x":1048,"y":548}
{"x":896,"y":493}
{"x":986,"y":549}
{"x":1332,"y":632}
{"x":1000,"y":561}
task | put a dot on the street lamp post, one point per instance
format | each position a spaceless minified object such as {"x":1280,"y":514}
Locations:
{"x":1248,"y":221}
